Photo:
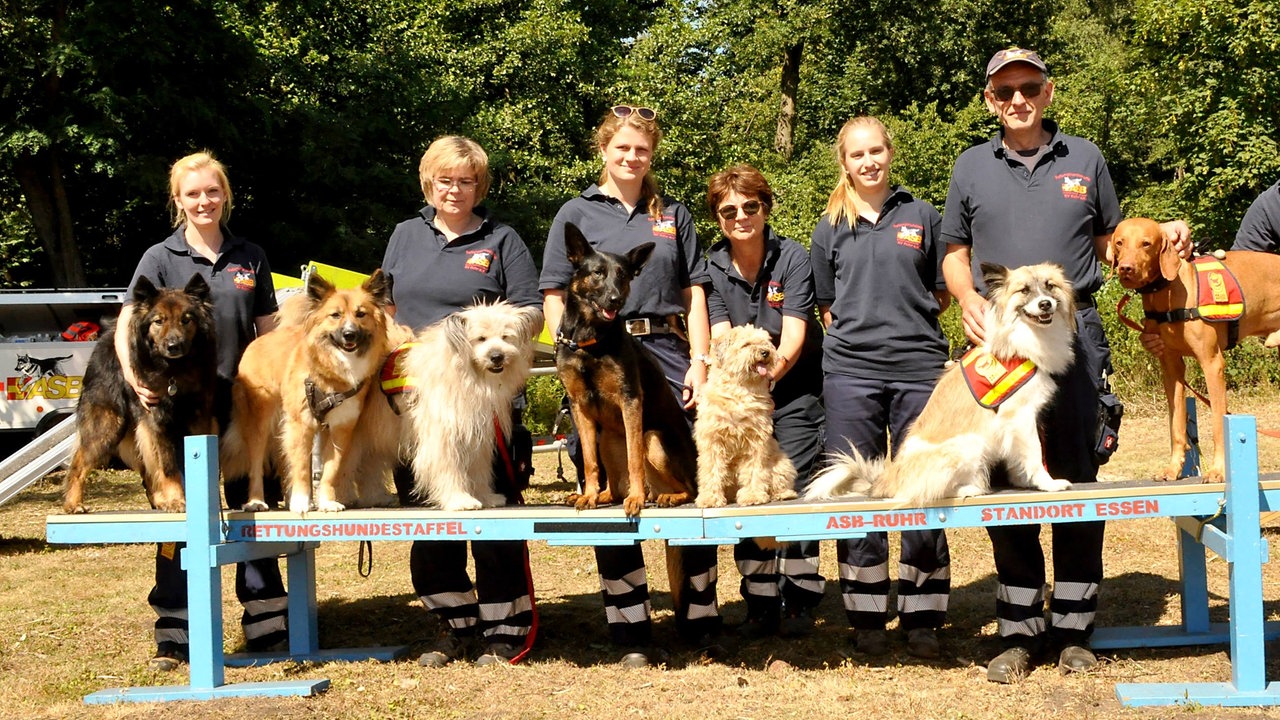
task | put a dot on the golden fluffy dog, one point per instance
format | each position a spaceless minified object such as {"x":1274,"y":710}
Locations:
{"x":738,"y":458}
{"x":308,"y":378}
{"x":468,"y":369}
{"x":1145,"y":262}
{"x":951,"y":447}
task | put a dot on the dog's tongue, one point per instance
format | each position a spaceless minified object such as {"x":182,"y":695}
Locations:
{"x":609,"y":314}
{"x":762,"y":370}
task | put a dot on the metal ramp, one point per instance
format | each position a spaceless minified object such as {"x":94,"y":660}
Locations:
{"x":37,"y":458}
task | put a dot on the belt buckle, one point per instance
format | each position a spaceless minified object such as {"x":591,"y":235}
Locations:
{"x":638,"y":326}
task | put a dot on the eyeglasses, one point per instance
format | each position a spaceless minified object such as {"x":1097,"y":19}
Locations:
{"x":622,"y":111}
{"x":730,"y":212}
{"x":444,"y":183}
{"x":1029,"y":90}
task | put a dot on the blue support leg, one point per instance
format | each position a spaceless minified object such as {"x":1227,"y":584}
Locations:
{"x":1245,"y":553}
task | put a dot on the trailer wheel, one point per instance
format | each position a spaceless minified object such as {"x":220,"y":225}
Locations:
{"x":51,"y":419}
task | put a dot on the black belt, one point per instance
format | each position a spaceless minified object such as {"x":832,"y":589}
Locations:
{"x":649,"y":326}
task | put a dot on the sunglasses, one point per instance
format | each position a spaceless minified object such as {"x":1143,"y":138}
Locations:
{"x":622,"y":111}
{"x":730,"y":212}
{"x":1029,"y":90}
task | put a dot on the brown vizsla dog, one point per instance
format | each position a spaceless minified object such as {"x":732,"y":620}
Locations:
{"x":1167,"y":283}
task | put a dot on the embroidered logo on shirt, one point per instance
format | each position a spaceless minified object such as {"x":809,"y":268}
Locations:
{"x":665,"y":228}
{"x":1074,"y":186}
{"x":774,"y":295}
{"x":480,"y":260}
{"x":243,"y":277}
{"x":910,"y":235}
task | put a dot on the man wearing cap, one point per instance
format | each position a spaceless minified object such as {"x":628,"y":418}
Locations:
{"x":1033,"y":194}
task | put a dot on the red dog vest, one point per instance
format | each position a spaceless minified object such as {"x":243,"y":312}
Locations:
{"x":1218,"y":294}
{"x":991,"y":380}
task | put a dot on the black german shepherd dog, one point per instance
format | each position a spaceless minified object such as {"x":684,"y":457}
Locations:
{"x":172,"y":348}
{"x":623,"y":408}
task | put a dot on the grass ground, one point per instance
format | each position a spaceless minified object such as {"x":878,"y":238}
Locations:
{"x":73,"y":619}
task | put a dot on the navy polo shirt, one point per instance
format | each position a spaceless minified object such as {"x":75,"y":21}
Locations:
{"x":878,"y":279}
{"x":432,"y":277}
{"x":676,"y":262}
{"x":1014,"y":216}
{"x":1260,"y":229}
{"x":784,"y":286}
{"x":240,"y":279}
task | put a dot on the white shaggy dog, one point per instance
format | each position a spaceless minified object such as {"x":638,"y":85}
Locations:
{"x":468,"y":368}
{"x":951,"y":447}
{"x":738,"y":457}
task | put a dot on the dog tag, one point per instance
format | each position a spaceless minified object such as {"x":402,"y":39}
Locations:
{"x":173,"y":387}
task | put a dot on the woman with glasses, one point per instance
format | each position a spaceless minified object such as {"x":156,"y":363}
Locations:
{"x":877,"y":270}
{"x":762,"y":279}
{"x":449,"y":256}
{"x":668,"y":313}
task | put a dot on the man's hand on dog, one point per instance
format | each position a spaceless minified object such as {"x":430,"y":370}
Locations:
{"x":973,"y":309}
{"x":148,"y":396}
{"x":694,"y":379}
{"x":1178,"y":233}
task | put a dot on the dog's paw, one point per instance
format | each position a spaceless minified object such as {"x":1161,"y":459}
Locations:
{"x":632,"y":505}
{"x":300,"y":504}
{"x":1171,"y":472}
{"x":787,"y":494}
{"x":707,"y":500}
{"x":459,"y":503}
{"x":582,"y":502}
{"x":75,"y":509}
{"x":172,"y":505}
{"x":493,"y":500}
{"x":968,"y":491}
{"x":330,"y":506}
{"x":1215,"y":475}
{"x":255,"y":506}
{"x":671,"y":499}
{"x":752,"y":497}
{"x":1053,"y":485}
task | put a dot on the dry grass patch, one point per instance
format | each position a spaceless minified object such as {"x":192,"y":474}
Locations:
{"x":73,"y":619}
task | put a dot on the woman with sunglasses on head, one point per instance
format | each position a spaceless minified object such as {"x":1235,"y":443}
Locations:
{"x":877,"y":270}
{"x":762,"y":279}
{"x":668,"y":309}
{"x":452,"y":255}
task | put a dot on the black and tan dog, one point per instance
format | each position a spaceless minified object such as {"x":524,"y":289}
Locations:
{"x":623,"y":409}
{"x":172,"y":350}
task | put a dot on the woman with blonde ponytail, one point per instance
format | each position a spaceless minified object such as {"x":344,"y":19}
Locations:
{"x":877,"y":271}
{"x":667,"y":313}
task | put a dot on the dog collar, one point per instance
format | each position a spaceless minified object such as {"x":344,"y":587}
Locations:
{"x":563,"y":341}
{"x":320,"y":404}
{"x":1156,"y":285}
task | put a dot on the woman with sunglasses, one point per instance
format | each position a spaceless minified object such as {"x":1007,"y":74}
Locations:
{"x":877,"y":270}
{"x":669,"y":313}
{"x":449,"y":256}
{"x":762,"y":279}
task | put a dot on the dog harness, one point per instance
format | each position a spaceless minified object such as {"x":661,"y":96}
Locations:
{"x":394,"y":378}
{"x":563,"y":341}
{"x":322,"y":404}
{"x":992,"y":380}
{"x":1218,"y":299}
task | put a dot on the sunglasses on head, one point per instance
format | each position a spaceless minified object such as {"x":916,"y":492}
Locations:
{"x":1029,"y":90}
{"x":623,"y":111}
{"x":730,"y":212}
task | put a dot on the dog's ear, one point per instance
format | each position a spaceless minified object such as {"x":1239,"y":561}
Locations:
{"x":1170,"y":261}
{"x":994,"y":275}
{"x":530,"y":321}
{"x":455,"y":333}
{"x":576,"y":247}
{"x":198,"y":288}
{"x":318,"y":289}
{"x":378,"y":285}
{"x":638,"y":256}
{"x":144,"y":290}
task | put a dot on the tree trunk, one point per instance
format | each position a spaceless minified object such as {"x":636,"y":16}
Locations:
{"x":41,"y":178}
{"x":784,"y":139}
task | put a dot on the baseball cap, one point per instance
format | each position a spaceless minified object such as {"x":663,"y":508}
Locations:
{"x":1015,"y":55}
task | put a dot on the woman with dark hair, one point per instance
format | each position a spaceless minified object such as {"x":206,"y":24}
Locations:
{"x":759,"y":278}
